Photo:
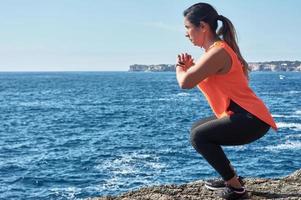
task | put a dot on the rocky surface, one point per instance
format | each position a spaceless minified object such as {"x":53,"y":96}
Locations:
{"x":258,"y":188}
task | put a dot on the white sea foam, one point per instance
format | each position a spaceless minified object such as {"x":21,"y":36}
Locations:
{"x":295,"y":114}
{"x":166,"y":99}
{"x":117,"y":180}
{"x":293,"y":136}
{"x":112,"y":183}
{"x":123,"y":165}
{"x":131,"y":164}
{"x":292,"y":126}
{"x":179,"y":97}
{"x":155,"y":165}
{"x":294,"y":92}
{"x":285,"y":116}
{"x":295,"y":145}
{"x":174,"y":97}
{"x":237,"y":148}
{"x":183,"y":94}
{"x":298,"y":112}
{"x":68,"y":192}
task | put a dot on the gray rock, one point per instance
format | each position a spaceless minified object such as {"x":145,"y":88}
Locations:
{"x":258,"y":188}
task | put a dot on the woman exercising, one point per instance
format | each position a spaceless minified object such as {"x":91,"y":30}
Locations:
{"x":240,"y":117}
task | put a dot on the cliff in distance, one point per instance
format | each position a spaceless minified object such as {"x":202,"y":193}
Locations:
{"x":255,"y":66}
{"x":287,"y":188}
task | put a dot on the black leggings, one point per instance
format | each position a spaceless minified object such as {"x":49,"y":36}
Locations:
{"x":207,"y":136}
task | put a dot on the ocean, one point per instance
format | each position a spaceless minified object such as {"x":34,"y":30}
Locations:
{"x":73,"y":135}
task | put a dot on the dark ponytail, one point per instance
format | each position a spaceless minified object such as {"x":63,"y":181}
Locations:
{"x":205,"y":12}
{"x":227,"y":33}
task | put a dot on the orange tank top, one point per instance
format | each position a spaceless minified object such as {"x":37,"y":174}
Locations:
{"x":218,"y":89}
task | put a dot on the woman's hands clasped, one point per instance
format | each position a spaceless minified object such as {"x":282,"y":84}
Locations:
{"x":185,"y":61}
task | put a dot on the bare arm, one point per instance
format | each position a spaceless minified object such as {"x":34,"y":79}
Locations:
{"x":215,"y":60}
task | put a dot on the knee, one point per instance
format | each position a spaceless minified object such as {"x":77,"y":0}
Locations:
{"x":197,"y":138}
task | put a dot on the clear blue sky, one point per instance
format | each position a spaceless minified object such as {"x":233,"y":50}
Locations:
{"x":110,"y":35}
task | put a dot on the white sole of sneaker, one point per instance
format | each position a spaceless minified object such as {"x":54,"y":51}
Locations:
{"x":213,"y":188}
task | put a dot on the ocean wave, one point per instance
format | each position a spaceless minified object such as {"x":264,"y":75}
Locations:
{"x":65,"y":192}
{"x":129,"y":164}
{"x":120,"y":170}
{"x":298,"y":112}
{"x":285,"y":116}
{"x":292,"y":126}
{"x":125,"y":142}
{"x":281,"y":92}
{"x":118,"y":184}
{"x":192,"y":98}
{"x":293,"y":145}
{"x":293,"y":136}
{"x":166,"y":99}
{"x":112,"y":183}
{"x":294,"y":92}
{"x":183,"y":94}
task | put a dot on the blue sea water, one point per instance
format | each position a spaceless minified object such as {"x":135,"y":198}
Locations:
{"x":85,"y":134}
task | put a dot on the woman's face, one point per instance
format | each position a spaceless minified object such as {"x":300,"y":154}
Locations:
{"x":194,"y":34}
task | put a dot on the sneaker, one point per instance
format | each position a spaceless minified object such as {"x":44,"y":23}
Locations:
{"x":231,"y":193}
{"x":219,"y":184}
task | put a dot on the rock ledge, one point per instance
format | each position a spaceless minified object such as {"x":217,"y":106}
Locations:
{"x":258,"y":188}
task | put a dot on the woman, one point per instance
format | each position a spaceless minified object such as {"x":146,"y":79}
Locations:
{"x":240,"y":117}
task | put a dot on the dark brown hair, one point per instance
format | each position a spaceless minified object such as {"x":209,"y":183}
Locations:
{"x":206,"y":13}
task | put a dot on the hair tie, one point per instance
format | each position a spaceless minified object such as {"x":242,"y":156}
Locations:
{"x":219,"y":17}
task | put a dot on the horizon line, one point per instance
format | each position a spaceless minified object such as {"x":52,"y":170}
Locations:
{"x":64,"y":71}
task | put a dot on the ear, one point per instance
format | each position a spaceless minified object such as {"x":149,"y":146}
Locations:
{"x":203,"y":26}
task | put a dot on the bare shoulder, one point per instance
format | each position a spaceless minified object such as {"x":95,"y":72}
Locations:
{"x":219,"y":58}
{"x":215,"y":61}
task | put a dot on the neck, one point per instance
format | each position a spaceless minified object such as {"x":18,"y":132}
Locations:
{"x":210,"y":41}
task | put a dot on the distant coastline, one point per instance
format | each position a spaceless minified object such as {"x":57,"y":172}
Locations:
{"x":274,"y":66}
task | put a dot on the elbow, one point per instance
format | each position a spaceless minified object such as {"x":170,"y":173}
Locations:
{"x":186,"y":85}
{"x":186,"y":82}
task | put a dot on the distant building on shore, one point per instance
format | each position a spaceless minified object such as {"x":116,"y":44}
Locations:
{"x":255,"y":66}
{"x":276,"y":66}
{"x":152,"y":68}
